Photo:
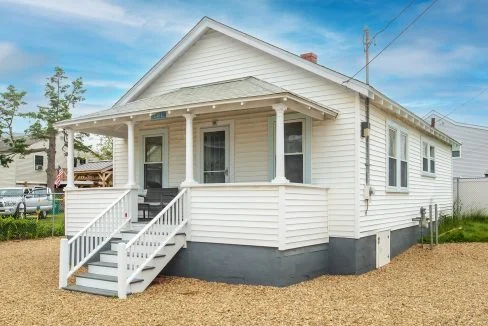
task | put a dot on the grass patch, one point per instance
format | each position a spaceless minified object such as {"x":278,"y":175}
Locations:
{"x":31,"y":228}
{"x":471,"y":227}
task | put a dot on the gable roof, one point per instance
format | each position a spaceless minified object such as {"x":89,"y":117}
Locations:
{"x":94,"y":166}
{"x":235,"y":90}
{"x":454,"y":122}
{"x":206,"y":24}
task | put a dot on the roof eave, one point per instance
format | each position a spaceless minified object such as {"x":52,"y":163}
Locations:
{"x":410,"y":117}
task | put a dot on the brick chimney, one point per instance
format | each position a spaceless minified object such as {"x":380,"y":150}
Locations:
{"x":310,"y":56}
{"x":432,"y":122}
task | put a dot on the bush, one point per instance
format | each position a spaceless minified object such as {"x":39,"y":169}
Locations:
{"x":15,"y":229}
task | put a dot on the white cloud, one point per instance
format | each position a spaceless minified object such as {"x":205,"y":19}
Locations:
{"x":107,"y":84}
{"x":13,"y":59}
{"x":97,"y":10}
{"x":424,"y":60}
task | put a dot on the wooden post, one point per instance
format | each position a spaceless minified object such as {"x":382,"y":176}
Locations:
{"x":70,"y":163}
{"x":121,"y":271}
{"x":436,"y":225}
{"x":63,"y":263}
{"x":431,"y":227}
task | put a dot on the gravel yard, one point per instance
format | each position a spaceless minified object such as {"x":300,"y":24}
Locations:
{"x":445,"y":287}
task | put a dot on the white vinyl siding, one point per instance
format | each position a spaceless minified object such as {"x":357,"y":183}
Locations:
{"x":305,"y":217}
{"x":84,"y":205}
{"x":216,"y":57}
{"x":250,"y":215}
{"x":119,"y":162}
{"x":395,"y":210}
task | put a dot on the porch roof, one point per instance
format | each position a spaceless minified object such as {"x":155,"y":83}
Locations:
{"x":248,"y":92}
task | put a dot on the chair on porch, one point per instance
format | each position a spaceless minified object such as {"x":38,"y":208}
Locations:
{"x":155,"y":200}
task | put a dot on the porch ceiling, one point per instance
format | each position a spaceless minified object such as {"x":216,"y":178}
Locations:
{"x":237,"y":94}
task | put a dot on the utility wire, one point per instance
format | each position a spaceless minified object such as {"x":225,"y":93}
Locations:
{"x":484,"y":90}
{"x":393,"y":20}
{"x":394,"y":39}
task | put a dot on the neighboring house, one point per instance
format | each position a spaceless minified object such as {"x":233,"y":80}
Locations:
{"x":471,"y":159}
{"x":30,"y":170}
{"x":267,"y":151}
{"x":94,"y":174}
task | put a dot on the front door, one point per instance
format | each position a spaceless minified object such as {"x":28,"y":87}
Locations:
{"x":215,"y":158}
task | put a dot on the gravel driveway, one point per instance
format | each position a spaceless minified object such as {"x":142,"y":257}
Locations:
{"x":447,"y":286}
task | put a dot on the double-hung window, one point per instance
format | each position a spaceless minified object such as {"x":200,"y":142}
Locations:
{"x":397,"y":165}
{"x":428,"y":158}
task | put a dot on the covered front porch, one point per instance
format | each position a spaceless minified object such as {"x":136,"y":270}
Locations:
{"x":217,"y":139}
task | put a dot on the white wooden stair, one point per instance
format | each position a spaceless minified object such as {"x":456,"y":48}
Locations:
{"x":137,"y":254}
{"x":101,"y":278}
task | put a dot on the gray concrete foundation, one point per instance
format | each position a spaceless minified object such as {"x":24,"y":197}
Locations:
{"x":249,"y":264}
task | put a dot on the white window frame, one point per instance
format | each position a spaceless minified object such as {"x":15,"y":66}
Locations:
{"x":460,"y":153}
{"x":400,"y":130}
{"x":204,"y":126}
{"x":143,"y":134}
{"x":429,"y":159}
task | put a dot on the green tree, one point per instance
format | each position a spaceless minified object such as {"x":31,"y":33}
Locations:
{"x":10,"y":103}
{"x":105,"y":148}
{"x":62,"y":95}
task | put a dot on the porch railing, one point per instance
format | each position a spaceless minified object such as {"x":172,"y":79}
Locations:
{"x":144,"y":247}
{"x":78,"y":250}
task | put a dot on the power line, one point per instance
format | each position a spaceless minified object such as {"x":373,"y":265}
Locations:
{"x":484,"y":90}
{"x":393,"y":20}
{"x":394,"y":39}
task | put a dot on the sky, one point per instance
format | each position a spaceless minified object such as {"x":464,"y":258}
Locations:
{"x":440,"y":63}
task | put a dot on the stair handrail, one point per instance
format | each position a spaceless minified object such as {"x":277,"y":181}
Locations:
{"x":144,"y":230}
{"x":77,"y":246}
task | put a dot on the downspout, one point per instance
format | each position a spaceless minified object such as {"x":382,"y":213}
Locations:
{"x":367,"y":190}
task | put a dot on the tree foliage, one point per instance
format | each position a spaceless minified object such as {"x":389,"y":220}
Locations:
{"x":105,"y":148}
{"x":10,"y":103}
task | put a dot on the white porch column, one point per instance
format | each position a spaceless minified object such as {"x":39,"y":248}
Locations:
{"x":280,"y":109}
{"x":189,"y":180}
{"x":131,"y":181}
{"x":70,"y":164}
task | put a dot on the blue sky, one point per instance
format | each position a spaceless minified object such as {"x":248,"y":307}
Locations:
{"x":440,"y":63}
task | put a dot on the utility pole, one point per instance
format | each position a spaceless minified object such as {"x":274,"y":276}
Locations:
{"x":367,"y":43}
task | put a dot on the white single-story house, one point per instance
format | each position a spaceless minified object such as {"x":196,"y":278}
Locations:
{"x":285,"y":170}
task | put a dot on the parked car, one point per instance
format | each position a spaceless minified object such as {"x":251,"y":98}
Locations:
{"x":20,"y":201}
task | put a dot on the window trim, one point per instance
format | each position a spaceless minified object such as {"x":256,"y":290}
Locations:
{"x":429,"y":143}
{"x":306,"y":145}
{"x":163,"y":132}
{"x":400,"y":130}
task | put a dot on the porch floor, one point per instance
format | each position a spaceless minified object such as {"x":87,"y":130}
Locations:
{"x":444,"y":286}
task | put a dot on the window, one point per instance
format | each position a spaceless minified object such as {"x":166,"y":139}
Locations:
{"x":297,"y":148}
{"x":428,"y":158}
{"x":397,"y":164}
{"x":456,"y":152}
{"x":294,"y":151}
{"x":153,"y":162}
{"x":38,"y":162}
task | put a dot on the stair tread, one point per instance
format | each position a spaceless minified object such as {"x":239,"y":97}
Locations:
{"x":112,"y":265}
{"x":113,"y":252}
{"x":108,"y":278}
{"x":130,"y":231}
{"x":86,"y":289}
{"x":119,"y":241}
